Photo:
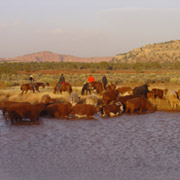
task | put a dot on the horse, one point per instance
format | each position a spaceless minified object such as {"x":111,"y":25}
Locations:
{"x":33,"y":87}
{"x":98,"y":86}
{"x":63,"y":87}
{"x":86,"y":88}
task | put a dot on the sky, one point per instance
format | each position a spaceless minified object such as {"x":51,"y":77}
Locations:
{"x":85,"y":28}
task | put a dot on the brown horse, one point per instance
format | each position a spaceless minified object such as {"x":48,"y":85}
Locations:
{"x":64,"y":87}
{"x":98,"y":86}
{"x":86,"y":89}
{"x":33,"y":87}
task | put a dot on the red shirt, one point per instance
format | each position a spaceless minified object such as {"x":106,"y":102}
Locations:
{"x":91,"y":79}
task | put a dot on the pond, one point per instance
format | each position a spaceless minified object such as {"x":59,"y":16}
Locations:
{"x":128,"y":147}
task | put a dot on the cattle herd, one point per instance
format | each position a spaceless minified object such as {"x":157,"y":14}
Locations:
{"x":113,"y":102}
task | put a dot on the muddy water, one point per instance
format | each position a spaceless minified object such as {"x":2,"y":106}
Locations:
{"x":129,"y":147}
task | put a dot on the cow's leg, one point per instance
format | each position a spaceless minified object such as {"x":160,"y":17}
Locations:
{"x":132,"y":110}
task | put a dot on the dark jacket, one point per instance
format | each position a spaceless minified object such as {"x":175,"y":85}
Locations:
{"x":61,"y":79}
{"x":31,"y":79}
{"x":104,"y":80}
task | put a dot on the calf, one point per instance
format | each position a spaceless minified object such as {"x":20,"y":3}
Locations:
{"x":111,"y":110}
{"x":84,"y":110}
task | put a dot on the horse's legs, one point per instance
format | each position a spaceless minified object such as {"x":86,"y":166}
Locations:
{"x":37,"y":89}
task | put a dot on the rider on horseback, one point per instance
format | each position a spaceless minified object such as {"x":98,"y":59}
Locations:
{"x":91,"y":79}
{"x":104,"y":81}
{"x":31,"y":81}
{"x":61,"y":80}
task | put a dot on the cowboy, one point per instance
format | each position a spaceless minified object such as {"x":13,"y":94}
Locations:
{"x":104,"y":81}
{"x":31,"y":81}
{"x":91,"y":79}
{"x":61,"y":80}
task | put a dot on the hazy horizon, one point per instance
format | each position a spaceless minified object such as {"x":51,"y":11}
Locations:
{"x":85,"y":28}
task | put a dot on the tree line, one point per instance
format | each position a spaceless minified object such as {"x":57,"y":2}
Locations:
{"x":14,"y":67}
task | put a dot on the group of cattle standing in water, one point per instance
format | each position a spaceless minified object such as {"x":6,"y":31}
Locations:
{"x":113,"y":102}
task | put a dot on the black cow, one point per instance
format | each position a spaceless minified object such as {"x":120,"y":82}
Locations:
{"x":141,"y":90}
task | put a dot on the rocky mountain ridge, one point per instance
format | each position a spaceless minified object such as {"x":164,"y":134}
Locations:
{"x":47,"y":56}
{"x":161,"y":52}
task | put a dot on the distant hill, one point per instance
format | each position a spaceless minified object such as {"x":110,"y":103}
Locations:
{"x":47,"y":56}
{"x":161,"y":52}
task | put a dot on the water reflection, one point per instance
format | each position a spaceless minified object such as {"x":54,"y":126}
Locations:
{"x":129,"y":147}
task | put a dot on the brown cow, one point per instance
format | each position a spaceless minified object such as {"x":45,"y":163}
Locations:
{"x":46,"y":99}
{"x":110,"y":86}
{"x":19,"y":111}
{"x":6,"y":104}
{"x":138,"y":104}
{"x":84,"y":110}
{"x":157,"y":93}
{"x":59,"y":110}
{"x":112,"y":109}
{"x":124,"y":91}
{"x":123,"y":99}
{"x":110,"y":95}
